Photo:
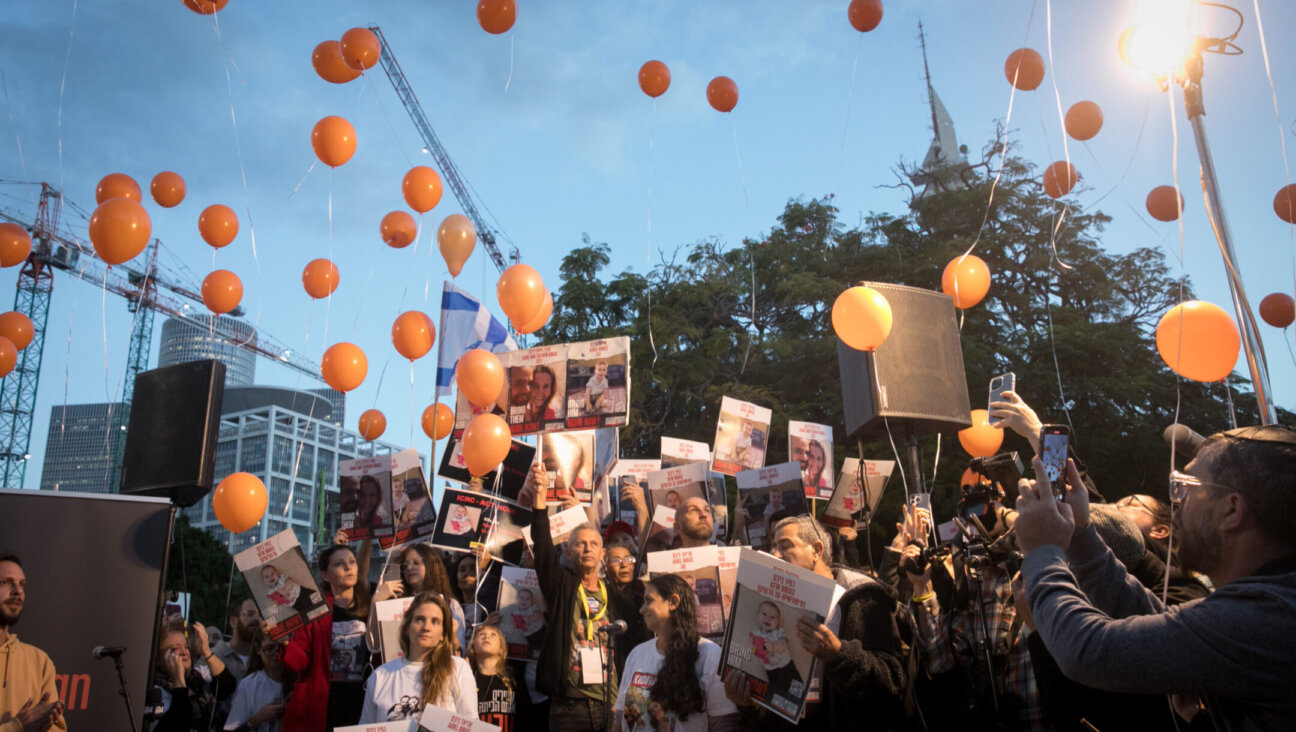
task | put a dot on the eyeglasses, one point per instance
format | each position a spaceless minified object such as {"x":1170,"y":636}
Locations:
{"x":1137,"y":504}
{"x":628,"y":561}
{"x":1181,"y":483}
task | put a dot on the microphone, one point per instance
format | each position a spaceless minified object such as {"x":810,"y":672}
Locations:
{"x":616,"y":627}
{"x":101,"y":652}
{"x":1183,"y":439}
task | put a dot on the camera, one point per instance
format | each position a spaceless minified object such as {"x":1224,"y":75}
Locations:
{"x":1003,"y":470}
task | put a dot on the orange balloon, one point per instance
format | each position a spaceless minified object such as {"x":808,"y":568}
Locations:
{"x":19,"y":330}
{"x":1285,"y":203}
{"x":398,"y":229}
{"x":1277,"y":309}
{"x":344,"y":366}
{"x":438,"y":420}
{"x":239,"y":501}
{"x":360,"y":48}
{"x":542,"y":317}
{"x":486,"y":442}
{"x":1024,"y":69}
{"x":496,"y":16}
{"x":329,"y":64}
{"x":1164,"y":203}
{"x":422,"y":188}
{"x":970,"y":478}
{"x":118,"y":185}
{"x":981,"y":440}
{"x":8,"y":356}
{"x":861,"y":317}
{"x":205,"y":7}
{"x":222,"y":291}
{"x":967,"y":280}
{"x":480,"y":376}
{"x":372,"y":424}
{"x":1198,"y":341}
{"x":168,"y":189}
{"x":654,"y":78}
{"x":320,"y":278}
{"x":334,"y":140}
{"x":15,"y":244}
{"x":864,"y":15}
{"x":218,"y":225}
{"x":456,"y":236}
{"x":1084,"y":120}
{"x":1060,"y":178}
{"x":722,"y":94}
{"x":119,"y":229}
{"x":413,"y":334}
{"x":520,"y":292}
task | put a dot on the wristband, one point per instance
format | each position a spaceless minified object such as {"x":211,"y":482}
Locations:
{"x":924,"y":598}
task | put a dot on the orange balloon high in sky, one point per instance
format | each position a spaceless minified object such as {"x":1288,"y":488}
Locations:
{"x":360,"y":48}
{"x":119,"y":230}
{"x":1024,"y":69}
{"x":456,"y":237}
{"x":864,"y":15}
{"x":413,"y":334}
{"x":480,"y":377}
{"x":334,"y":140}
{"x":372,"y":424}
{"x":1060,"y":178}
{"x":15,"y":244}
{"x":329,"y":64}
{"x":320,"y":278}
{"x":421,"y":187}
{"x":520,"y":292}
{"x":19,"y":329}
{"x":722,"y":94}
{"x":967,"y":280}
{"x":118,"y":185}
{"x":222,"y":291}
{"x":168,"y":189}
{"x":398,"y":229}
{"x":344,"y":366}
{"x":438,"y":420}
{"x":654,"y":78}
{"x":239,"y":501}
{"x":218,"y":225}
{"x":496,"y":16}
{"x":1198,"y":341}
{"x":486,"y":442}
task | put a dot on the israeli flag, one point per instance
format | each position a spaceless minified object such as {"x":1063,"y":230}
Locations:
{"x":465,"y":324}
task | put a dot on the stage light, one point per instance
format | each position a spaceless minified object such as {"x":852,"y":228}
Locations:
{"x":1162,"y":40}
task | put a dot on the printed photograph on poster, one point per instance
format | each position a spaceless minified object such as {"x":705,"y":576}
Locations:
{"x":598,"y":383}
{"x":569,"y":463}
{"x":454,"y":468}
{"x":765,"y":496}
{"x":514,"y":470}
{"x":761,"y":640}
{"x":671,"y":487}
{"x":411,"y":501}
{"x":536,"y":384}
{"x":719,"y":507}
{"x":466,"y":410}
{"x":521,"y":609}
{"x":660,"y":534}
{"x":388,"y":614}
{"x":436,"y":719}
{"x":458,"y":526}
{"x":607,"y":445}
{"x":742,"y":436}
{"x":812,"y":445}
{"x":857,"y":496}
{"x":630,"y":473}
{"x":281,"y":583}
{"x":724,"y":559}
{"x":676,"y":452}
{"x":370,"y":479}
{"x":502,"y":530}
{"x":561,"y":525}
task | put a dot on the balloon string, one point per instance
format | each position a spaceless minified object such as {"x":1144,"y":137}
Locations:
{"x":751,"y":250}
{"x":381,"y":376}
{"x":1282,"y":137}
{"x":509,"y":80}
{"x":850,"y":99}
{"x":1057,"y":368}
{"x":652,"y":138}
{"x":215,"y":19}
{"x":395,"y":137}
{"x":1058,"y":219}
{"x":297,"y":187}
{"x":1138,"y":143}
{"x":1057,"y":95}
{"x":238,"y":149}
{"x":360,"y":310}
{"x":67,"y":59}
{"x":22,"y":160}
{"x":411,"y":403}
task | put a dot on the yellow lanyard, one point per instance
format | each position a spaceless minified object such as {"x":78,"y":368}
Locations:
{"x":603,"y":606}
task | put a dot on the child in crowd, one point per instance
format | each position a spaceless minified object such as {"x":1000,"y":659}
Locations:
{"x":499,"y":695}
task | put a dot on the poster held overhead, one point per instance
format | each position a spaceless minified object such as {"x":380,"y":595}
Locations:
{"x":858,"y":492}
{"x":626,"y":473}
{"x":537,"y":400}
{"x":415,"y":516}
{"x":281,"y":583}
{"x":811,"y":445}
{"x":365,"y":486}
{"x":742,"y":436}
{"x":764,"y":496}
{"x":675,"y":451}
{"x":598,"y":383}
{"x":569,"y":464}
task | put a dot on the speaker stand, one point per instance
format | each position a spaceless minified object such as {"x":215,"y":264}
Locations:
{"x":915,"y":465}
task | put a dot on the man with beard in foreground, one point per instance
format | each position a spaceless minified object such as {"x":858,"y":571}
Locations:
{"x":28,"y":700}
{"x":1234,"y":648}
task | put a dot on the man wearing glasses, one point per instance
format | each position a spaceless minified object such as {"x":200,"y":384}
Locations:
{"x":1234,"y":648}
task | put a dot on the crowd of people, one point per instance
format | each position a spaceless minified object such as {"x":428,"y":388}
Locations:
{"x":1045,"y":613}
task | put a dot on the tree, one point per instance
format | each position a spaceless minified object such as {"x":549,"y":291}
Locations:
{"x":200,"y":565}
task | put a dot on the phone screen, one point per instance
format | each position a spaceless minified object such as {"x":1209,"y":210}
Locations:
{"x":1054,"y":456}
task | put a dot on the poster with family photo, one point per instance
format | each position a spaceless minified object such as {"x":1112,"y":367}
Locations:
{"x":632,"y":472}
{"x":671,"y":487}
{"x":761,"y":639}
{"x":766,"y":495}
{"x":415,"y":516}
{"x":389,"y":614}
{"x":569,"y":464}
{"x":711,"y":571}
{"x":365,"y":486}
{"x":536,"y":383}
{"x":858,"y":493}
{"x":812,"y":445}
{"x":742,"y":436}
{"x":675,"y":451}
{"x":281,"y":583}
{"x":521,"y":610}
{"x":454,"y":468}
{"x":598,"y":383}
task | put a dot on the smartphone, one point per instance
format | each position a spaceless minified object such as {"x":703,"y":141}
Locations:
{"x":998,"y":385}
{"x":1053,"y":453}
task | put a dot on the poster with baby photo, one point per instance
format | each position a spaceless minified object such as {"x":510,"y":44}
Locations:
{"x":415,"y":516}
{"x":742,"y":436}
{"x":761,"y":639}
{"x":521,"y":609}
{"x":671,"y":487}
{"x":857,"y":493}
{"x":569,"y":464}
{"x":703,"y":569}
{"x":675,"y":451}
{"x":281,"y":583}
{"x":454,"y":468}
{"x":365,"y":486}
{"x":598,"y":383}
{"x":764,"y":496}
{"x":632,"y":472}
{"x":536,"y":380}
{"x":459,"y":525}
{"x":812,"y":445}
{"x":388,"y":614}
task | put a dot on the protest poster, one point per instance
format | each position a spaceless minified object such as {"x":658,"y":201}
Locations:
{"x":436,"y":719}
{"x":415,"y":516}
{"x":856,"y":495}
{"x":675,"y":451}
{"x":561,"y":525}
{"x":701,"y":567}
{"x":536,"y":384}
{"x":672,"y":486}
{"x":521,"y":609}
{"x":659,"y":535}
{"x":365,"y":486}
{"x":388,"y":614}
{"x":742,"y":436}
{"x":765,"y":495}
{"x":761,"y":639}
{"x":281,"y":583}
{"x":607,"y":445}
{"x":569,"y":463}
{"x":513,"y":472}
{"x":598,"y":383}
{"x":503,"y":530}
{"x":719,"y":507}
{"x":454,"y":468}
{"x":630,"y":473}
{"x":404,"y":725}
{"x":811,"y":445}
{"x":469,"y":518}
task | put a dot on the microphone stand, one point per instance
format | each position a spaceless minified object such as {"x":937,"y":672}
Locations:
{"x":121,"y":679}
{"x":608,"y":699}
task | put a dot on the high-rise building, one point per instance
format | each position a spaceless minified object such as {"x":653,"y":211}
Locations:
{"x":192,"y":340}
{"x":78,"y":450}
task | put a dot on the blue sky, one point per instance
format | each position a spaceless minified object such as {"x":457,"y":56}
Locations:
{"x":549,"y":127}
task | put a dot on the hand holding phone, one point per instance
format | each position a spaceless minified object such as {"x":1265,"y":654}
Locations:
{"x":998,"y":385}
{"x":1054,"y":439}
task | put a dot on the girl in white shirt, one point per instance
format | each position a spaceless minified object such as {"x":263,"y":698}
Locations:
{"x":258,"y":704}
{"x":426,"y":673}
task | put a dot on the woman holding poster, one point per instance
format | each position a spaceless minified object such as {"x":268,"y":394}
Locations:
{"x":670,"y":682}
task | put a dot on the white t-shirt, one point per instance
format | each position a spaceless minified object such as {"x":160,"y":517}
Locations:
{"x":255,"y":691}
{"x":393,"y":691}
{"x":641,"y":672}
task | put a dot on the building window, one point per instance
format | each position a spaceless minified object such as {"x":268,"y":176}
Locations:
{"x":253,"y":457}
{"x":283,"y":455}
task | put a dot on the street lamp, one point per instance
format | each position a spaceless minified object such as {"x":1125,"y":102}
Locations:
{"x":1165,"y":46}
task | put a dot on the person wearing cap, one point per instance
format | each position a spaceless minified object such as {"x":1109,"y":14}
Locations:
{"x":619,"y":533}
{"x":1232,"y":649}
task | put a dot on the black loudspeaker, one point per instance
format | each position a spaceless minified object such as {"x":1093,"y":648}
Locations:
{"x":171,"y":438}
{"x":914,"y":382}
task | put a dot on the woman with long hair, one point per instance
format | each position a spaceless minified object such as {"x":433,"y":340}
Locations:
{"x":501,"y":700}
{"x":330,"y":654}
{"x":423,"y":570}
{"x":258,"y":702}
{"x":189,"y":700}
{"x":428,"y":672}
{"x":543,"y":381}
{"x":670,"y":682}
{"x":813,"y":475}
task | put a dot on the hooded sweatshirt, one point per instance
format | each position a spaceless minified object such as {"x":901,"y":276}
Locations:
{"x":26,"y":672}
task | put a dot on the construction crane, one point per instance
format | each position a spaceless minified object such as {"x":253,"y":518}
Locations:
{"x":487,"y":235}
{"x":52,"y":250}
